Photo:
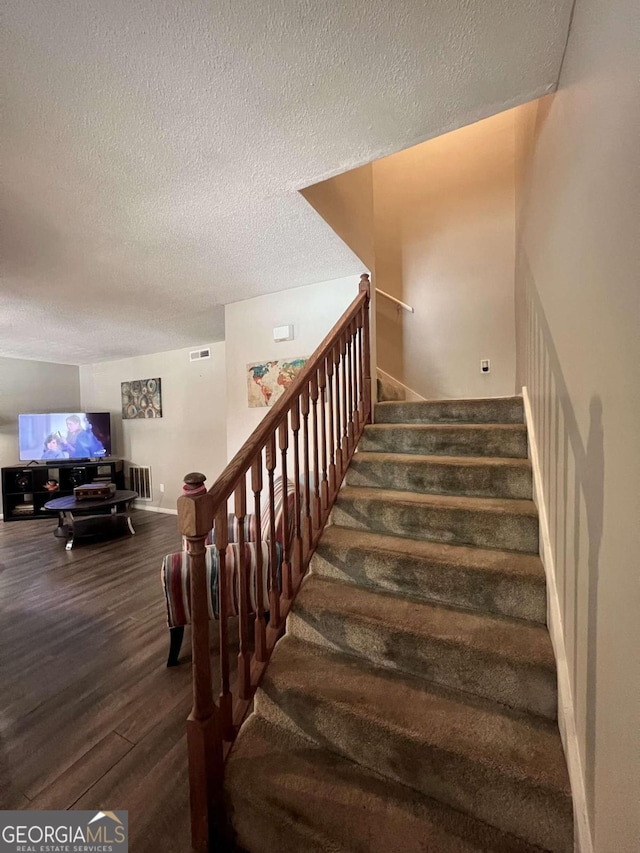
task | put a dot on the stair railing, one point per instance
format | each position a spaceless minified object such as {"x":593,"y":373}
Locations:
{"x":307,"y":440}
{"x":395,"y":300}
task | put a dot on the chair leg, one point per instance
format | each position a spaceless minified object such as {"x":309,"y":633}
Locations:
{"x":175,"y":644}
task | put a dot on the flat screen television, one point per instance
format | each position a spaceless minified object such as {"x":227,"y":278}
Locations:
{"x":64,"y":435}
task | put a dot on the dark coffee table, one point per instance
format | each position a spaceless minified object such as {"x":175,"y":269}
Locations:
{"x":91,"y":517}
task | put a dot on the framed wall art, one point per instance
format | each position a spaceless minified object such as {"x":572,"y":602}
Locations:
{"x":141,"y":398}
{"x":268,"y":380}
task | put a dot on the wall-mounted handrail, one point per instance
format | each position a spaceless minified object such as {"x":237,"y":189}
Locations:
{"x":397,"y":301}
{"x":309,"y":437}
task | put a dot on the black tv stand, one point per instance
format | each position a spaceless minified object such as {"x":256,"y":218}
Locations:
{"x":24,"y":491}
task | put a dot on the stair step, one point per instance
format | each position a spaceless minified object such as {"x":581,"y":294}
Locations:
{"x":504,"y":769}
{"x":501,"y":582}
{"x":504,"y":660}
{"x":454,"y":475}
{"x":482,"y":522}
{"x":498,"y":410}
{"x":502,"y":440}
{"x":289,"y":794}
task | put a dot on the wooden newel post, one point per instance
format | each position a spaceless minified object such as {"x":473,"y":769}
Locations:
{"x":204,"y":741}
{"x":365,"y":287}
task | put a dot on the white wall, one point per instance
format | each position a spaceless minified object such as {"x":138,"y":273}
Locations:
{"x":32,"y":386}
{"x":444,"y":244}
{"x":190,"y":436}
{"x":312,"y":310}
{"x":578,"y":313}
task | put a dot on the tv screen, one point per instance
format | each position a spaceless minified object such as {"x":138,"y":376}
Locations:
{"x":64,"y":435}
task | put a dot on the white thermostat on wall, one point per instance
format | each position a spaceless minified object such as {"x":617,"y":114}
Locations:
{"x":283,"y":333}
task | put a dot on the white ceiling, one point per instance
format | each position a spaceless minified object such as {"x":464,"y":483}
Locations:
{"x":153,"y":149}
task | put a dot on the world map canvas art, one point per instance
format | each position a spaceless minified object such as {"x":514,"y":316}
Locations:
{"x":268,"y":380}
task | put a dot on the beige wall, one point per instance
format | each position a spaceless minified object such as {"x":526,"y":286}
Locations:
{"x":32,"y":386}
{"x":346,"y":204}
{"x":444,"y":239}
{"x":435,"y":224}
{"x":578,"y":313}
{"x":190,"y":436}
{"x":312,"y":310}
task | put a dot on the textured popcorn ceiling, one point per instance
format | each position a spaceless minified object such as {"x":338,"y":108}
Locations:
{"x":153,"y":149}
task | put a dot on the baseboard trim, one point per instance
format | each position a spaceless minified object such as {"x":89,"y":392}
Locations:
{"x":566,"y":713}
{"x":163,"y":510}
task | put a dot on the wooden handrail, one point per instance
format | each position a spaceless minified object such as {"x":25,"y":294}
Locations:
{"x":398,"y":302}
{"x":301,"y":449}
{"x":223,"y":486}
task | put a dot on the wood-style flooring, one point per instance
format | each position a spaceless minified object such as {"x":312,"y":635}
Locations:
{"x":90,"y":717}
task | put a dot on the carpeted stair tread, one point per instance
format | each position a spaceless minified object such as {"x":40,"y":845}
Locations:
{"x":288,"y":794}
{"x":524,"y":747}
{"x":490,"y":656}
{"x":520,"y":641}
{"x":454,"y":475}
{"x":503,"y":768}
{"x":503,"y":582}
{"x":502,"y":523}
{"x":502,"y":506}
{"x":490,"y":410}
{"x":507,"y":440}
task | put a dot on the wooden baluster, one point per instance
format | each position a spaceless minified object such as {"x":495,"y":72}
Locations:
{"x":350,"y":388}
{"x":345,"y":444}
{"x":204,"y":735}
{"x":350,"y":394}
{"x":224,"y":591}
{"x":297,"y":508}
{"x":354,"y":374}
{"x":260,"y":622}
{"x":316,"y":507}
{"x":360,"y":371}
{"x":338,"y":404}
{"x":287,"y":585}
{"x":365,"y":287}
{"x":332,"y":449}
{"x":274,"y":592}
{"x":324,"y":483}
{"x":307,"y":524}
{"x":244,"y":653}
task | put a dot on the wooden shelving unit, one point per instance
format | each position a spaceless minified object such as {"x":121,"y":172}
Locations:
{"x":23,"y":486}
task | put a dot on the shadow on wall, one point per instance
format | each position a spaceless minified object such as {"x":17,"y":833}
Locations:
{"x":573,"y":484}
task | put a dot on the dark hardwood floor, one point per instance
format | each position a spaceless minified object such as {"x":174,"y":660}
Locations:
{"x":90,"y":718}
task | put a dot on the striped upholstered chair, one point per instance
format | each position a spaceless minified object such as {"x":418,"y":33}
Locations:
{"x":175,"y":570}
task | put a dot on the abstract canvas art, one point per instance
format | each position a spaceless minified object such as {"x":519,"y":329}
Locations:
{"x":141,"y":398}
{"x":268,"y":380}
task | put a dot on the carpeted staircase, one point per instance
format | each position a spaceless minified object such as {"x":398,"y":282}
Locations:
{"x":412,"y":704}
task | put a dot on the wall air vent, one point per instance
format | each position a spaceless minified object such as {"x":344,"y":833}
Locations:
{"x":140,"y":481}
{"x":199,"y":354}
